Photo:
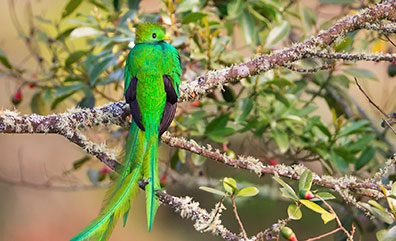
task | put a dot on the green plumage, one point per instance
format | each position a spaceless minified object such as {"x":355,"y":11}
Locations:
{"x":147,"y":63}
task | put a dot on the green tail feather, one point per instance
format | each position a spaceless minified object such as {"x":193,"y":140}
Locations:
{"x":102,"y":226}
{"x":121,"y":194}
{"x":150,"y":164}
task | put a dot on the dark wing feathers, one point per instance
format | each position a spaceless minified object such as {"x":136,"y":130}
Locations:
{"x":167,"y":117}
{"x":169,"y":109}
{"x":170,"y":105}
{"x":130,"y":98}
{"x":171,"y":95}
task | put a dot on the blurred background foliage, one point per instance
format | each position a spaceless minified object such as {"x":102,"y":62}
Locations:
{"x":281,"y":116}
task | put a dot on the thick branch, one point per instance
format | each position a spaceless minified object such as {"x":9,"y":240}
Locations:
{"x":350,"y":57}
{"x":253,"y":164}
{"x":69,"y":124}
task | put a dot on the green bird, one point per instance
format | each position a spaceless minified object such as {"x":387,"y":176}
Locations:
{"x":151,"y":77}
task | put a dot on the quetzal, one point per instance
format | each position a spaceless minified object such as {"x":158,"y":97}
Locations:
{"x":151,"y":77}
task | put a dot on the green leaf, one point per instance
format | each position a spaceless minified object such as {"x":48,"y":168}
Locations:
{"x":217,"y":123}
{"x":390,"y":234}
{"x":63,"y":35}
{"x":281,"y":138}
{"x":393,"y":190}
{"x":248,"y":192}
{"x":60,"y":99}
{"x":73,"y":79}
{"x":281,"y":82}
{"x":37,"y":104}
{"x":116,"y":5}
{"x":344,"y":45}
{"x":361,"y":143}
{"x":4,"y":60}
{"x":313,"y":206}
{"x":44,"y":20}
{"x":327,"y":217}
{"x":47,"y":95}
{"x":294,"y":118}
{"x":67,"y":89}
{"x":99,"y":5}
{"x":288,"y":189}
{"x":365,"y":157}
{"x":182,"y":155}
{"x":222,"y":132}
{"x":134,"y":4}
{"x":80,"y":162}
{"x":70,"y":7}
{"x":287,"y":194}
{"x":380,"y":214}
{"x":74,"y":57}
{"x":308,"y":19}
{"x":324,"y":196}
{"x":246,"y":23}
{"x":212,"y":190}
{"x":381,"y":234}
{"x":218,"y":139}
{"x":294,"y":212}
{"x":244,"y":108}
{"x":193,"y":17}
{"x":392,"y":196}
{"x":323,"y":129}
{"x":193,"y":118}
{"x":234,"y":8}
{"x":228,"y":94}
{"x":188,"y":5}
{"x":376,"y":205}
{"x":198,"y":160}
{"x":338,"y":162}
{"x":305,"y":182}
{"x":360,"y":73}
{"x":277,"y":34}
{"x":340,"y":78}
{"x":99,"y":67}
{"x":354,"y":128}
{"x":229,"y":184}
{"x":88,"y":101}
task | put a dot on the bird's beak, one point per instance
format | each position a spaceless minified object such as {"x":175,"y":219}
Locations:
{"x":166,"y":37}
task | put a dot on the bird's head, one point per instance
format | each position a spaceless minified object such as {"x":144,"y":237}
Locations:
{"x":150,"y":33}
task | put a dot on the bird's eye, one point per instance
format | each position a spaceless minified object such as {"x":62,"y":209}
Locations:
{"x":154,"y":35}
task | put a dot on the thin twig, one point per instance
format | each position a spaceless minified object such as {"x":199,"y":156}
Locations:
{"x":324,"y":235}
{"x":390,"y":40}
{"x":218,"y":210}
{"x":369,"y":99}
{"x":324,"y":66}
{"x":375,"y":105}
{"x":350,"y":236}
{"x":238,"y":219}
